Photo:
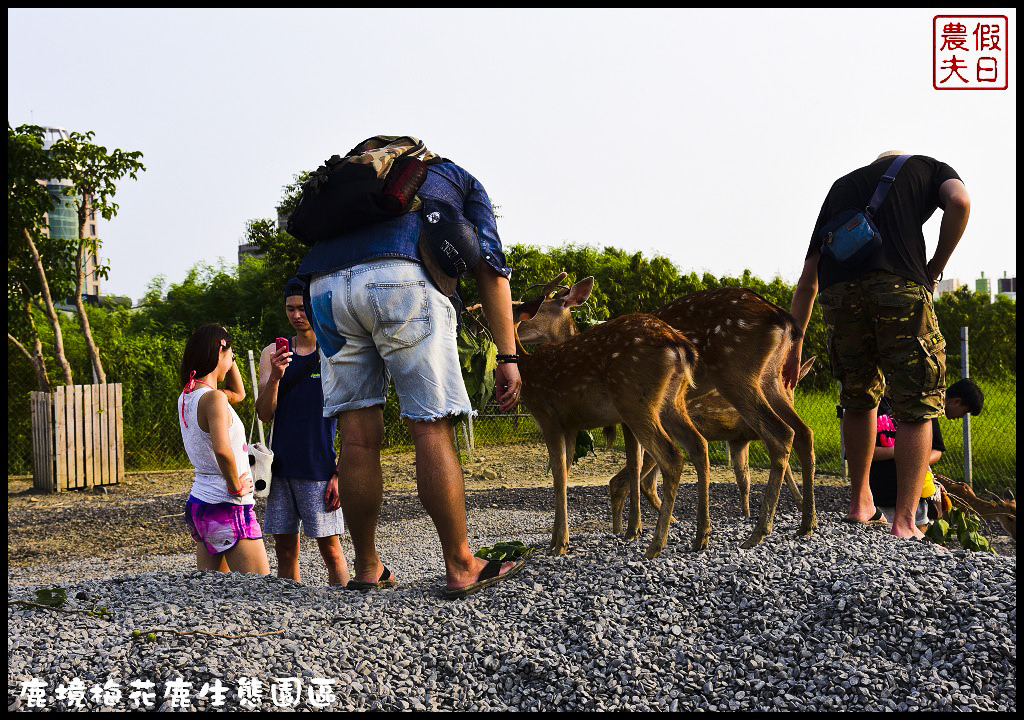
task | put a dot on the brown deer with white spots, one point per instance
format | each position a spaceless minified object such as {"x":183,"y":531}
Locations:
{"x":632,"y":370}
{"x":742,"y":341}
{"x":715,"y":419}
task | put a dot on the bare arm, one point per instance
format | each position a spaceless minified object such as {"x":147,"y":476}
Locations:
{"x":215,"y":413}
{"x":233,"y":387}
{"x":803,"y":305}
{"x":272,"y":369}
{"x":889,"y":453}
{"x":496,"y":297}
{"x":956,"y":205}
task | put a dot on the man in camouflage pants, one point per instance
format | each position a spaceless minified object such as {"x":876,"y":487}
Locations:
{"x":882,"y":330}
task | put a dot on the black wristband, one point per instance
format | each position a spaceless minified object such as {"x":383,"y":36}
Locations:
{"x":508,"y":358}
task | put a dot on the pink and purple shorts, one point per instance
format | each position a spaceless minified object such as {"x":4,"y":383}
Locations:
{"x":219,"y":526}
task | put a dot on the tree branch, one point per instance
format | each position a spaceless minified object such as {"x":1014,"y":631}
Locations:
{"x":51,"y":311}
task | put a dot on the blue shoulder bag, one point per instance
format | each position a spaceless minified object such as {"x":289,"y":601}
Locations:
{"x":851,"y":236}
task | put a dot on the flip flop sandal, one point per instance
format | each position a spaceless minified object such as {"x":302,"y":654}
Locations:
{"x":877,"y":519}
{"x":488,"y":576}
{"x":386,"y":582}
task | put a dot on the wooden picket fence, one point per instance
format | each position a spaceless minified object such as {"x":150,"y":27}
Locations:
{"x":77,"y":437}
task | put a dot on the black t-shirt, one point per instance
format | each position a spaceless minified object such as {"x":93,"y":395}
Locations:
{"x":909,"y":204}
{"x":882,"y":475}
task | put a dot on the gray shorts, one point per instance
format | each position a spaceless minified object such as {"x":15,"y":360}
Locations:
{"x":292,"y":501}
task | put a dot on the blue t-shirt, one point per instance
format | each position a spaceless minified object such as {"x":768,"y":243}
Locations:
{"x":303,"y":442}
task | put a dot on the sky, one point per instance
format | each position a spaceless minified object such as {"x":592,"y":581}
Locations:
{"x":709,"y":137}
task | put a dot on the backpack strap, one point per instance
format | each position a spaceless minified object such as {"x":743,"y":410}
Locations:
{"x":885,"y":183}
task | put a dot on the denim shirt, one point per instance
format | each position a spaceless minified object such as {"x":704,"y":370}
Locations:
{"x":399,"y":237}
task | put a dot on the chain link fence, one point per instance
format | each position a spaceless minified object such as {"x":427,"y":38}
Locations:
{"x":152,"y":439}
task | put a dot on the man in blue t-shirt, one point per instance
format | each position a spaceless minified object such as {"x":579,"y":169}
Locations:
{"x":304,"y":487}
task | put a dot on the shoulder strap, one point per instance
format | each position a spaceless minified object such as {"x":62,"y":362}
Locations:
{"x":885,"y":183}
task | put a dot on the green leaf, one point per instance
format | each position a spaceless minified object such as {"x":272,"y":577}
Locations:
{"x":52,"y":597}
{"x":506,"y":550}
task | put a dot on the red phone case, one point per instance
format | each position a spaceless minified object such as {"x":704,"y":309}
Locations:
{"x":282,"y":345}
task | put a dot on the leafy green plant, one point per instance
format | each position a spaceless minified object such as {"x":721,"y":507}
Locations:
{"x":962,"y":527}
{"x":505,"y":551}
{"x":478,"y":357}
{"x":52,"y":597}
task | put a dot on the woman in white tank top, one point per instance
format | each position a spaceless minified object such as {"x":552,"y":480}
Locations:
{"x":220,"y":509}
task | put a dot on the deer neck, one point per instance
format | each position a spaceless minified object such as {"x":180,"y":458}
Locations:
{"x":1005,"y":513}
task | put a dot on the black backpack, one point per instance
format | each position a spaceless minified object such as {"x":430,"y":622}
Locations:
{"x":377,"y":179}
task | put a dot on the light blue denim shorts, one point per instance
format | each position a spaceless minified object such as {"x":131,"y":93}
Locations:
{"x":385,"y":319}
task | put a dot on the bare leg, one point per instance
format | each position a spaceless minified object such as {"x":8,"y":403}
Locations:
{"x":286,"y":547}
{"x":248,"y":556}
{"x":859,"y":429}
{"x":913,"y":446}
{"x":210,"y":563}
{"x":334,"y":559}
{"x":362,"y":485}
{"x":442,"y":491}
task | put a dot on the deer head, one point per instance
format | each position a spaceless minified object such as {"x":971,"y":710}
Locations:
{"x":1002,"y":509}
{"x":547,"y":319}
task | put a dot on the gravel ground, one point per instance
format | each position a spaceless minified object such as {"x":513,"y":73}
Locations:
{"x":849,"y":619}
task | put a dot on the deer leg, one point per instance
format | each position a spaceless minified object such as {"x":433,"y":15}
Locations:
{"x":649,"y":475}
{"x":777,"y":437}
{"x":794,"y":490}
{"x":671,"y":462}
{"x":556,"y":454}
{"x":649,"y":488}
{"x":618,"y":488}
{"x":634,"y":453}
{"x":682,"y":430}
{"x":803,"y":444}
{"x":739,"y":449}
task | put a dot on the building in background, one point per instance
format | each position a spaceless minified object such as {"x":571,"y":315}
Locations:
{"x":983,"y":286}
{"x":248,"y":249}
{"x":62,"y":220}
{"x":947,"y":286}
{"x":1007,"y":286}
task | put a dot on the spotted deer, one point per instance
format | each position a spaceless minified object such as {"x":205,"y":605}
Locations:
{"x":715,"y":419}
{"x":742,"y":341}
{"x":1001,"y":509}
{"x":632,"y":370}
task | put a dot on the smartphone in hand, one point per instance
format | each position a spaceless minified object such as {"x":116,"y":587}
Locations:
{"x":282,"y":345}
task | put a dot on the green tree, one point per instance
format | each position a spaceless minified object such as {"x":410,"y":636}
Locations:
{"x":992,"y":332}
{"x":248,"y":300}
{"x":280,"y":249}
{"x":31,"y":252}
{"x":93,"y":173}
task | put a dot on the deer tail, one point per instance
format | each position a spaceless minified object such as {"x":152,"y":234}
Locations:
{"x":782,"y":317}
{"x":686,"y":353}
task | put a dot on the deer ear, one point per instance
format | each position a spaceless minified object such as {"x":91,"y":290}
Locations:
{"x":806,"y":367}
{"x":580,"y":292}
{"x":527,"y":310}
